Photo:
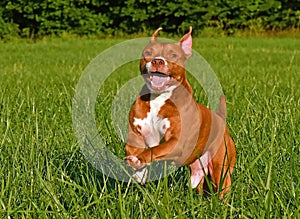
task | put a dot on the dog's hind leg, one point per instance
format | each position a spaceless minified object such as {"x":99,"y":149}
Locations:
{"x":199,"y":168}
{"x":223,"y":163}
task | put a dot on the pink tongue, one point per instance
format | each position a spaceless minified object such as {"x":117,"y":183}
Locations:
{"x":159,"y":81}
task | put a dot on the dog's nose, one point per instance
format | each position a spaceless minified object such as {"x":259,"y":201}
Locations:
{"x":157,"y":62}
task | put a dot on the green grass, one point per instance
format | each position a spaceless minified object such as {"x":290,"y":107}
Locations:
{"x":44,"y":174}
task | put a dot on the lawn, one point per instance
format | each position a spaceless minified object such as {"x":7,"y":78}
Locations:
{"x":45,"y":174}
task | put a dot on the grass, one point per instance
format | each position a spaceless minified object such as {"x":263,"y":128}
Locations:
{"x":44,"y":174}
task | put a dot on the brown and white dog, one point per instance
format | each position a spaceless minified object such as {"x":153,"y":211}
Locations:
{"x":166,"y":123}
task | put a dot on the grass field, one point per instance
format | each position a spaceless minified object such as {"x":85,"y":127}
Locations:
{"x":44,"y":174}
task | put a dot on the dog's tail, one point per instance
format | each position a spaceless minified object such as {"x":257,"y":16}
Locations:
{"x":222,"y":108}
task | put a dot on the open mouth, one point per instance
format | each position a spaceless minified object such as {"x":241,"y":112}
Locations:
{"x":158,"y":80}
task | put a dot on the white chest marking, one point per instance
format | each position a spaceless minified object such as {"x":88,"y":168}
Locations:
{"x":154,"y":127}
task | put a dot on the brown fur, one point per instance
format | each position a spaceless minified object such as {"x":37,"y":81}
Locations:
{"x":193,"y":127}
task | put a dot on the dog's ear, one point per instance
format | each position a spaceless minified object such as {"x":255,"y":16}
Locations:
{"x":153,"y":38}
{"x":186,"y":43}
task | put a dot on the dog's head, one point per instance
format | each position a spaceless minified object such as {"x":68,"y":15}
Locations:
{"x":162,"y":64}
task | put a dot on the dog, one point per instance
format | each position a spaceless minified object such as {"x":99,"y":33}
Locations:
{"x":166,"y":123}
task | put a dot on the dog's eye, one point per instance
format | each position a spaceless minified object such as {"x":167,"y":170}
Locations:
{"x":147,"y":54}
{"x":173,"y":55}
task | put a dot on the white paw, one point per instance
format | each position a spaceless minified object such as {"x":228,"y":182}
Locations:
{"x":134,"y":162}
{"x":141,"y":176}
{"x":132,"y":159}
{"x":195,"y":180}
{"x":199,"y":168}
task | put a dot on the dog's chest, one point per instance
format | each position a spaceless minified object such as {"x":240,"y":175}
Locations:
{"x":153,"y":127}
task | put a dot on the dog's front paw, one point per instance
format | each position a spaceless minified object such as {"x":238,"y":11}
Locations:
{"x":134,"y":162}
{"x":141,"y":176}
